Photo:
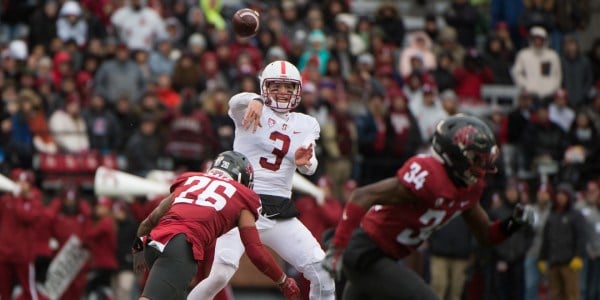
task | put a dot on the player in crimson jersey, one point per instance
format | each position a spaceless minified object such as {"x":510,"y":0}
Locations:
{"x":397,"y":214}
{"x":277,"y":142}
{"x":180,"y":234}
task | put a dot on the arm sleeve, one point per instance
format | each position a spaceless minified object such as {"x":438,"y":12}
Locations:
{"x":238,"y":104}
{"x":259,"y":255}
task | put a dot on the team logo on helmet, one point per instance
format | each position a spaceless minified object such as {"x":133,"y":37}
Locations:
{"x":465,"y":136}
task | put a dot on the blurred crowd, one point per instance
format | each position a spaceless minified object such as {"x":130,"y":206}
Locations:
{"x":148,"y":81}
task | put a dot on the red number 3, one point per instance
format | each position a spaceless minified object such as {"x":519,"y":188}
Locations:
{"x":278,"y":152}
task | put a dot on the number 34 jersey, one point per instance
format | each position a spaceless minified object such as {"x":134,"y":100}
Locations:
{"x":204,"y":207}
{"x":271,"y":148}
{"x":399,"y":229}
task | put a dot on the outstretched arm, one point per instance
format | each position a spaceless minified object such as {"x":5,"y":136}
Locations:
{"x":246,"y":109}
{"x":493,"y":233}
{"x":261,"y":258}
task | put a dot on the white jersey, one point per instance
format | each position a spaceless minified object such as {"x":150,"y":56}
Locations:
{"x":271,"y":148}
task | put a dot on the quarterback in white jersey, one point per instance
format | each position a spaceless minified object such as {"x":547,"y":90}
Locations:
{"x":277,"y":142}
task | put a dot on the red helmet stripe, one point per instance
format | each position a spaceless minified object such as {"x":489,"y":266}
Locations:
{"x":282,"y":67}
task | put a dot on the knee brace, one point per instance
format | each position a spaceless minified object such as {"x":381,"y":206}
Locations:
{"x":322,"y":286}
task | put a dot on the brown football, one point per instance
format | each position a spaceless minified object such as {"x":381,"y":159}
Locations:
{"x":245,"y":22}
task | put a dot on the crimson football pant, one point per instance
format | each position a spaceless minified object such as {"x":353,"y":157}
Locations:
{"x":24,"y":273}
{"x":373,"y":276}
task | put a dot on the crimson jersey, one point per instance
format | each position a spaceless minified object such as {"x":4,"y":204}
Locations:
{"x":399,"y":229}
{"x":204,"y":207}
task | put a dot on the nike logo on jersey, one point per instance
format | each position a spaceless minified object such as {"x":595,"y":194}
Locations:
{"x":464,"y":203}
{"x":295,"y":132}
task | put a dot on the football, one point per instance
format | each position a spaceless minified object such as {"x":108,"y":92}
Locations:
{"x":245,"y":22}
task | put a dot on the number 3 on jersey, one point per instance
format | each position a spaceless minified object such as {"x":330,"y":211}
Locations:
{"x":416,"y":176}
{"x":215,"y":193}
{"x":278,"y":152}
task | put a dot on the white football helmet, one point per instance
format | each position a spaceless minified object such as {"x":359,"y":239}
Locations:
{"x":281,"y":71}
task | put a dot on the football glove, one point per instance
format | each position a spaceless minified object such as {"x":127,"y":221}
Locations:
{"x":332,"y":262}
{"x":290,"y":289}
{"x":522,"y":215}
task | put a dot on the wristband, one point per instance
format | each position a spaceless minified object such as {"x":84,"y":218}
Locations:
{"x":259,"y":99}
{"x":282,"y":281}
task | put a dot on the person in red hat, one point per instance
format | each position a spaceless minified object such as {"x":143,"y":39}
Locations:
{"x":101,"y":240}
{"x":19,"y":211}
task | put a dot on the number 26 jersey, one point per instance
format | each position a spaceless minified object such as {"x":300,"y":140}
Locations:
{"x":204,"y":207}
{"x":399,"y":229}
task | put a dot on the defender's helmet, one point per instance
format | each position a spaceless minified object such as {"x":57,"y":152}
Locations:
{"x":281,"y":71}
{"x":467,"y":146}
{"x":236,"y":165}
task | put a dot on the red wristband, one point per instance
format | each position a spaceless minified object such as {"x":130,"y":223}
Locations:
{"x":351,"y":218}
{"x":259,"y":255}
{"x":495,"y":233}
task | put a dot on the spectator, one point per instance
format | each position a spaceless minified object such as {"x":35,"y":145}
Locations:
{"x":403,"y":135}
{"x":428,"y":112}
{"x":196,"y":46}
{"x":443,"y":74}
{"x":499,"y":59}
{"x":317,"y":50}
{"x":68,"y":128}
{"x":137,"y":25}
{"x":541,"y":207}
{"x":419,"y":45}
{"x":560,"y":112}
{"x":18,"y":213}
{"x":510,"y":13}
{"x":577,"y":73}
{"x":470,"y":77}
{"x":142,"y":59}
{"x":537,"y":68}
{"x":119,"y":77}
{"x":215,"y":77}
{"x":591,"y":212}
{"x":518,"y":118}
{"x":563,"y":246}
{"x":594,"y":58}
{"x":169,"y":98}
{"x":187,"y":74}
{"x":101,"y":239}
{"x":124,"y":279}
{"x":389,"y":19}
{"x":543,"y":140}
{"x":71,"y":25}
{"x":71,"y":217}
{"x":583,"y":133}
{"x":103,"y":128}
{"x":160,"y":59}
{"x":537,"y":13}
{"x":509,"y":256}
{"x":144,"y":147}
{"x":431,"y":27}
{"x":190,"y":140}
{"x":448,"y":43}
{"x":43,"y":24}
{"x":465,"y":18}
{"x":32,"y":110}
{"x":450,"y":249}
{"x":346,"y":25}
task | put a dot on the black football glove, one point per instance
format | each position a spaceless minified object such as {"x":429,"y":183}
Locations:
{"x":137,"y":249}
{"x":523,"y":215}
{"x":332,"y":262}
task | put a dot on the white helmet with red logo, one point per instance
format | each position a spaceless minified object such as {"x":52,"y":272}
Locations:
{"x":281,"y":71}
